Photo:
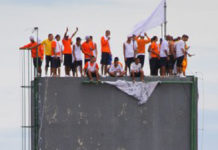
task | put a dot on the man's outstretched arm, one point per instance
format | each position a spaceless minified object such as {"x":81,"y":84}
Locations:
{"x":74,"y":33}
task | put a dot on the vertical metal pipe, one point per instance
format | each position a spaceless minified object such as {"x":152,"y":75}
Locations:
{"x":24,"y":100}
{"x":165,"y":18}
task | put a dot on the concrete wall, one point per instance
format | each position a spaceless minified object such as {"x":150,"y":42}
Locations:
{"x":77,"y":116}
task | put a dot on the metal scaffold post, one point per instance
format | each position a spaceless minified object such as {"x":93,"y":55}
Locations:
{"x":28,"y":87}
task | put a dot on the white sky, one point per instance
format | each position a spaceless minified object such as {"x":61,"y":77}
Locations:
{"x":197,"y":18}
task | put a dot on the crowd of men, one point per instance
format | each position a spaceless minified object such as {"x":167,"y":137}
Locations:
{"x":166,"y":57}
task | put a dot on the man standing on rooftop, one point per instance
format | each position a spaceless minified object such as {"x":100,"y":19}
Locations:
{"x":67,"y":42}
{"x":141,"y":42}
{"x":106,"y":52}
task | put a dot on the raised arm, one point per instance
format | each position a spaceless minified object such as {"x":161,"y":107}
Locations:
{"x":148,"y":38}
{"x":74,"y":33}
{"x":65,"y":34}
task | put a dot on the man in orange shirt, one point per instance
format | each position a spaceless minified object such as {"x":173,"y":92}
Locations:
{"x":155,"y":56}
{"x":91,"y":69}
{"x":106,"y":52}
{"x":94,"y":46}
{"x":141,"y":47}
{"x":87,"y":49}
{"x":67,"y":42}
{"x":37,"y":61}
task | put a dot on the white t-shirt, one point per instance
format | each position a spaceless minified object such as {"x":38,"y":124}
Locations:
{"x":180,"y":45}
{"x":59,"y":48}
{"x":135,"y":67}
{"x":78,"y":53}
{"x":92,"y":68}
{"x":129,"y":51}
{"x":116,"y":69}
{"x":164,"y":47}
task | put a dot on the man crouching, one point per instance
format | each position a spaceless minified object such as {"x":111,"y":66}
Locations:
{"x":91,"y":69}
{"x":116,"y":69}
{"x":136,"y":70}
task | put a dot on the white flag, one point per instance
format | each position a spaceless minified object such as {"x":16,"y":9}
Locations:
{"x":156,"y":19}
{"x":141,"y":91}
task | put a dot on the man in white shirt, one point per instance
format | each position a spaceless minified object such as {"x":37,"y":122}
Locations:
{"x":56,"y":55}
{"x":129,"y":52}
{"x":136,"y":70}
{"x":164,"y":55}
{"x":116,"y":69}
{"x":180,"y":53}
{"x":78,"y":56}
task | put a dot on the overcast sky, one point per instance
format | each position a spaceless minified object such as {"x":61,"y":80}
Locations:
{"x":197,"y":18}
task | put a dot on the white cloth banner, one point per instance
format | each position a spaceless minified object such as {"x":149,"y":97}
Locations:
{"x":156,"y":19}
{"x":140,"y":90}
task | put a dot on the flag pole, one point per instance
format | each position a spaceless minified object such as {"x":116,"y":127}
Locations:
{"x":162,"y":33}
{"x":165,"y":18}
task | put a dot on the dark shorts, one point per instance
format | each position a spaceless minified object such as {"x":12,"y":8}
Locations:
{"x":79,"y":63}
{"x":179,"y":61}
{"x":105,"y":58}
{"x":56,"y":62}
{"x":110,"y":60}
{"x":138,"y":74}
{"x":142,"y":59}
{"x":87,"y":60}
{"x":163,"y":61}
{"x":67,"y":60}
{"x":48,"y":61}
{"x":171,"y":62}
{"x":93,"y":74}
{"x":129,"y":61}
{"x":35,"y":62}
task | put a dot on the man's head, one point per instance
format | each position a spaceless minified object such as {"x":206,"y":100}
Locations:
{"x":91,"y":38}
{"x":167,"y":37}
{"x":66,"y":37}
{"x":142,"y":36}
{"x":32,"y":39}
{"x":129,"y":38}
{"x":161,"y":40}
{"x":178,"y":38}
{"x":78,"y":40}
{"x":58,"y":37}
{"x":171,"y":38}
{"x":185,"y":37}
{"x":93,"y":59}
{"x":154,"y":39}
{"x":50,"y":37}
{"x":116,"y":61}
{"x":133,"y":36}
{"x":87,"y":38}
{"x":107,"y":33}
{"x":137,"y":60}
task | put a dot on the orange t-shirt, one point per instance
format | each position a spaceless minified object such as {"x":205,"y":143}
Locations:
{"x":86,"y":48}
{"x":67,"y":46}
{"x":34,"y":50}
{"x":92,"y":45}
{"x":105,"y":46}
{"x":141,"y":45}
{"x":154,"y":48}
